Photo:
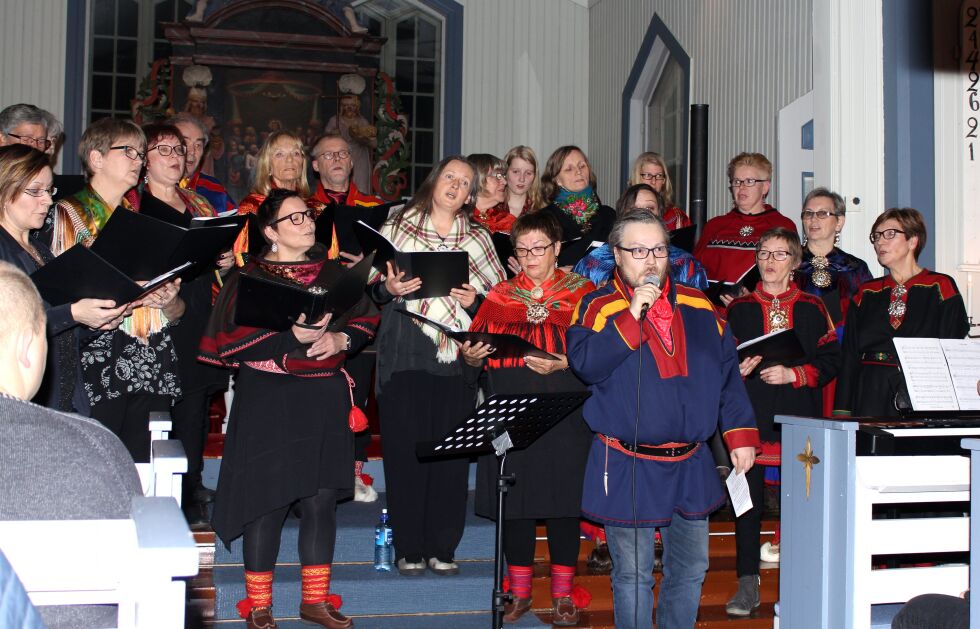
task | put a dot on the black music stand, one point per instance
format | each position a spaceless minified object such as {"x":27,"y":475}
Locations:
{"x":502,"y":423}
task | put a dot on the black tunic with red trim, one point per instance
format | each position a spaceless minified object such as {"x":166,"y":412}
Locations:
{"x":287,"y":433}
{"x":760,"y":313}
{"x":549,"y":472}
{"x":870,"y":377}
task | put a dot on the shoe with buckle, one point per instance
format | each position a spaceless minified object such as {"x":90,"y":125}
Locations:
{"x":443,"y":568}
{"x":325,"y":615}
{"x":769,"y":553}
{"x":261,"y":618}
{"x":747,"y":597}
{"x":408,"y":568}
{"x":362,"y":492}
{"x":516,"y":608}
{"x":565,"y":614}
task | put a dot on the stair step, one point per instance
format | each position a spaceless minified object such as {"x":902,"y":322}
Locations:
{"x":459,"y":620}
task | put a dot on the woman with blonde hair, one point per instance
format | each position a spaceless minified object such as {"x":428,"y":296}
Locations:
{"x":650,"y":168}
{"x":523,"y":185}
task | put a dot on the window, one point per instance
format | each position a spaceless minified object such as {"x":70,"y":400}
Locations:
{"x":665,"y":121}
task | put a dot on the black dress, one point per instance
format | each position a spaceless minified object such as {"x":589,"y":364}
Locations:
{"x":870,"y":381}
{"x":576,"y":239}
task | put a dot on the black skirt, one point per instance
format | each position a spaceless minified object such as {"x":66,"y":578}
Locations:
{"x":287,"y":438}
{"x":549,"y":472}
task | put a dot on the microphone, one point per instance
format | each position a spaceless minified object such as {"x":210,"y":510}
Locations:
{"x":649,"y":279}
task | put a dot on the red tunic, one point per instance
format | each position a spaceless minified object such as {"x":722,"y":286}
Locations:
{"x":727,"y":244}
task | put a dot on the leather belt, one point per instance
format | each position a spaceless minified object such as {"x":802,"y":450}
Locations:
{"x":667,"y":451}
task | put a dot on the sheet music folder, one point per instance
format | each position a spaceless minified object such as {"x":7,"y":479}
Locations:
{"x":80,"y":273}
{"x":275,"y":304}
{"x":440,"y":271}
{"x":508,"y":345}
{"x":683,"y":237}
{"x":776,"y":348}
{"x":523,"y":417}
{"x":748,"y":280}
{"x":143,"y":247}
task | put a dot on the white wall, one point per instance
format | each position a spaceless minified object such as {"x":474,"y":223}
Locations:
{"x":749,"y":58}
{"x":525,"y":75}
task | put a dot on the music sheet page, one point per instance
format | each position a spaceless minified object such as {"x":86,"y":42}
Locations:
{"x":926,"y":374}
{"x":963,"y":358}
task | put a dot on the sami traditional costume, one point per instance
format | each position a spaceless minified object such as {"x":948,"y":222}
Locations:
{"x":727,"y":244}
{"x":211,"y":189}
{"x":685,"y":357}
{"x":683,"y":267}
{"x":252,"y":234}
{"x":497,"y":219}
{"x":927,"y":305}
{"x":288,"y":434}
{"x":675,"y":218}
{"x":583,"y":220}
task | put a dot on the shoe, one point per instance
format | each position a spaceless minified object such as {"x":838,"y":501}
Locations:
{"x":517,"y":608}
{"x":747,"y":597}
{"x":443,"y":568}
{"x":600,"y":562}
{"x":769,"y":553}
{"x":203,"y":495}
{"x":325,"y":615}
{"x":261,"y":618}
{"x":565,"y":613}
{"x":408,"y":568}
{"x":362,"y":492}
{"x":196,"y":514}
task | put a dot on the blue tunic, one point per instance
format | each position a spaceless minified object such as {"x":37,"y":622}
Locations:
{"x":687,"y":393}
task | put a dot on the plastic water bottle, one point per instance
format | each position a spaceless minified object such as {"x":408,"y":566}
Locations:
{"x":384,"y":550}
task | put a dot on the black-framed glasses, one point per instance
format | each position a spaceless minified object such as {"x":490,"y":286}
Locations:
{"x":522,"y":252}
{"x":653,"y":177}
{"x":748,"y":183}
{"x":296,"y":218}
{"x":131,"y":152}
{"x":779,"y":255}
{"x":329,"y":155}
{"x":40,"y":192}
{"x":642,"y":253}
{"x":887,"y":234}
{"x":166,"y":150}
{"x":42,"y":144}
{"x":816,"y":214}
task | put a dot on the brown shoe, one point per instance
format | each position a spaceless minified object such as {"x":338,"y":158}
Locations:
{"x":260,"y":618}
{"x":565,"y":612}
{"x":325,"y":615}
{"x":517,"y":608}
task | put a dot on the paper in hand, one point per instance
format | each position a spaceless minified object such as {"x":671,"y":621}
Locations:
{"x":738,"y":489}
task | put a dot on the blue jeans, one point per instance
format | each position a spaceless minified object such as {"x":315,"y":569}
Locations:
{"x":685,"y":564}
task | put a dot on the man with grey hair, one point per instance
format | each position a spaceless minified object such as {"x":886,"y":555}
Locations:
{"x":663,"y":371}
{"x":196,"y":137}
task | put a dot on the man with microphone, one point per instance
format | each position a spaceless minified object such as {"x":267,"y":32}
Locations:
{"x":663,"y":372}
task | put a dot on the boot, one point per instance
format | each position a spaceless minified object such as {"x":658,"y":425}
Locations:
{"x":325,"y":615}
{"x":747,"y":597}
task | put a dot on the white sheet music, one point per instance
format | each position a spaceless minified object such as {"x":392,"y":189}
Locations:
{"x":926,"y":374}
{"x":963,"y":358}
{"x":738,"y":489}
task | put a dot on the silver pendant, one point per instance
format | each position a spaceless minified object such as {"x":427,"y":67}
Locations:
{"x":896,"y":309}
{"x":821,"y":278}
{"x":442,"y":247}
{"x":537,"y":292}
{"x":536,"y":313}
{"x":746,"y":231}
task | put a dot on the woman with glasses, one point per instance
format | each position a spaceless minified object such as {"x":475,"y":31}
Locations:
{"x":289,"y":439}
{"x":420,"y":383}
{"x":25,"y":196}
{"x":132,"y":370}
{"x":490,"y":206}
{"x":536,"y":305}
{"x":568,"y":186}
{"x":776,"y":389}
{"x":650,"y":168}
{"x":909,"y":301}
{"x":523,"y":186}
{"x":728,"y":242}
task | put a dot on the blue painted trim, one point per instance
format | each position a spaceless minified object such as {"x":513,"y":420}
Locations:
{"x":75,"y":94}
{"x":803,"y":177}
{"x":806,"y":136}
{"x":452,"y":87}
{"x":657,"y":30}
{"x":909,"y":112}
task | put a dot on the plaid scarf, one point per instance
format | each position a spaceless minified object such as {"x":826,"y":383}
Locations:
{"x":413,"y":234}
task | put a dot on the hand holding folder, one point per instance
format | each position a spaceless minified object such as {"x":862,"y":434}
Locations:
{"x":506,"y":345}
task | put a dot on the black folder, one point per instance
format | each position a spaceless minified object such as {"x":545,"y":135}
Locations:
{"x":81,"y":273}
{"x":748,"y":281}
{"x":275,"y":304}
{"x":440,"y":271}
{"x":504,"y":249}
{"x":345,"y":216}
{"x":776,"y":348}
{"x":683,"y":238}
{"x":143,"y":247}
{"x":325,"y":227}
{"x":507,"y":345}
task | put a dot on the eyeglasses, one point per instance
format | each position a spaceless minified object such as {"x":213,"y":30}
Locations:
{"x":329,"y":155}
{"x":887,"y":234}
{"x":496,"y":175}
{"x":522,"y":252}
{"x":656,"y":177}
{"x":296,"y":218}
{"x":748,"y":183}
{"x":642,"y":253}
{"x":40,"y":192}
{"x":40,"y":143}
{"x":132,"y":152}
{"x":818,"y":214}
{"x":166,"y":150}
{"x":779,"y":255}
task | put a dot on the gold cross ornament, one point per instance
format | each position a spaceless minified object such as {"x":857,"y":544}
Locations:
{"x":808,"y":460}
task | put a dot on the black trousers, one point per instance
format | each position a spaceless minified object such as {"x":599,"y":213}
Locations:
{"x":426,"y":500}
{"x":190,"y":418}
{"x":128,"y":417}
{"x":563,"y":541}
{"x":317,"y":533}
{"x":748,"y":526}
